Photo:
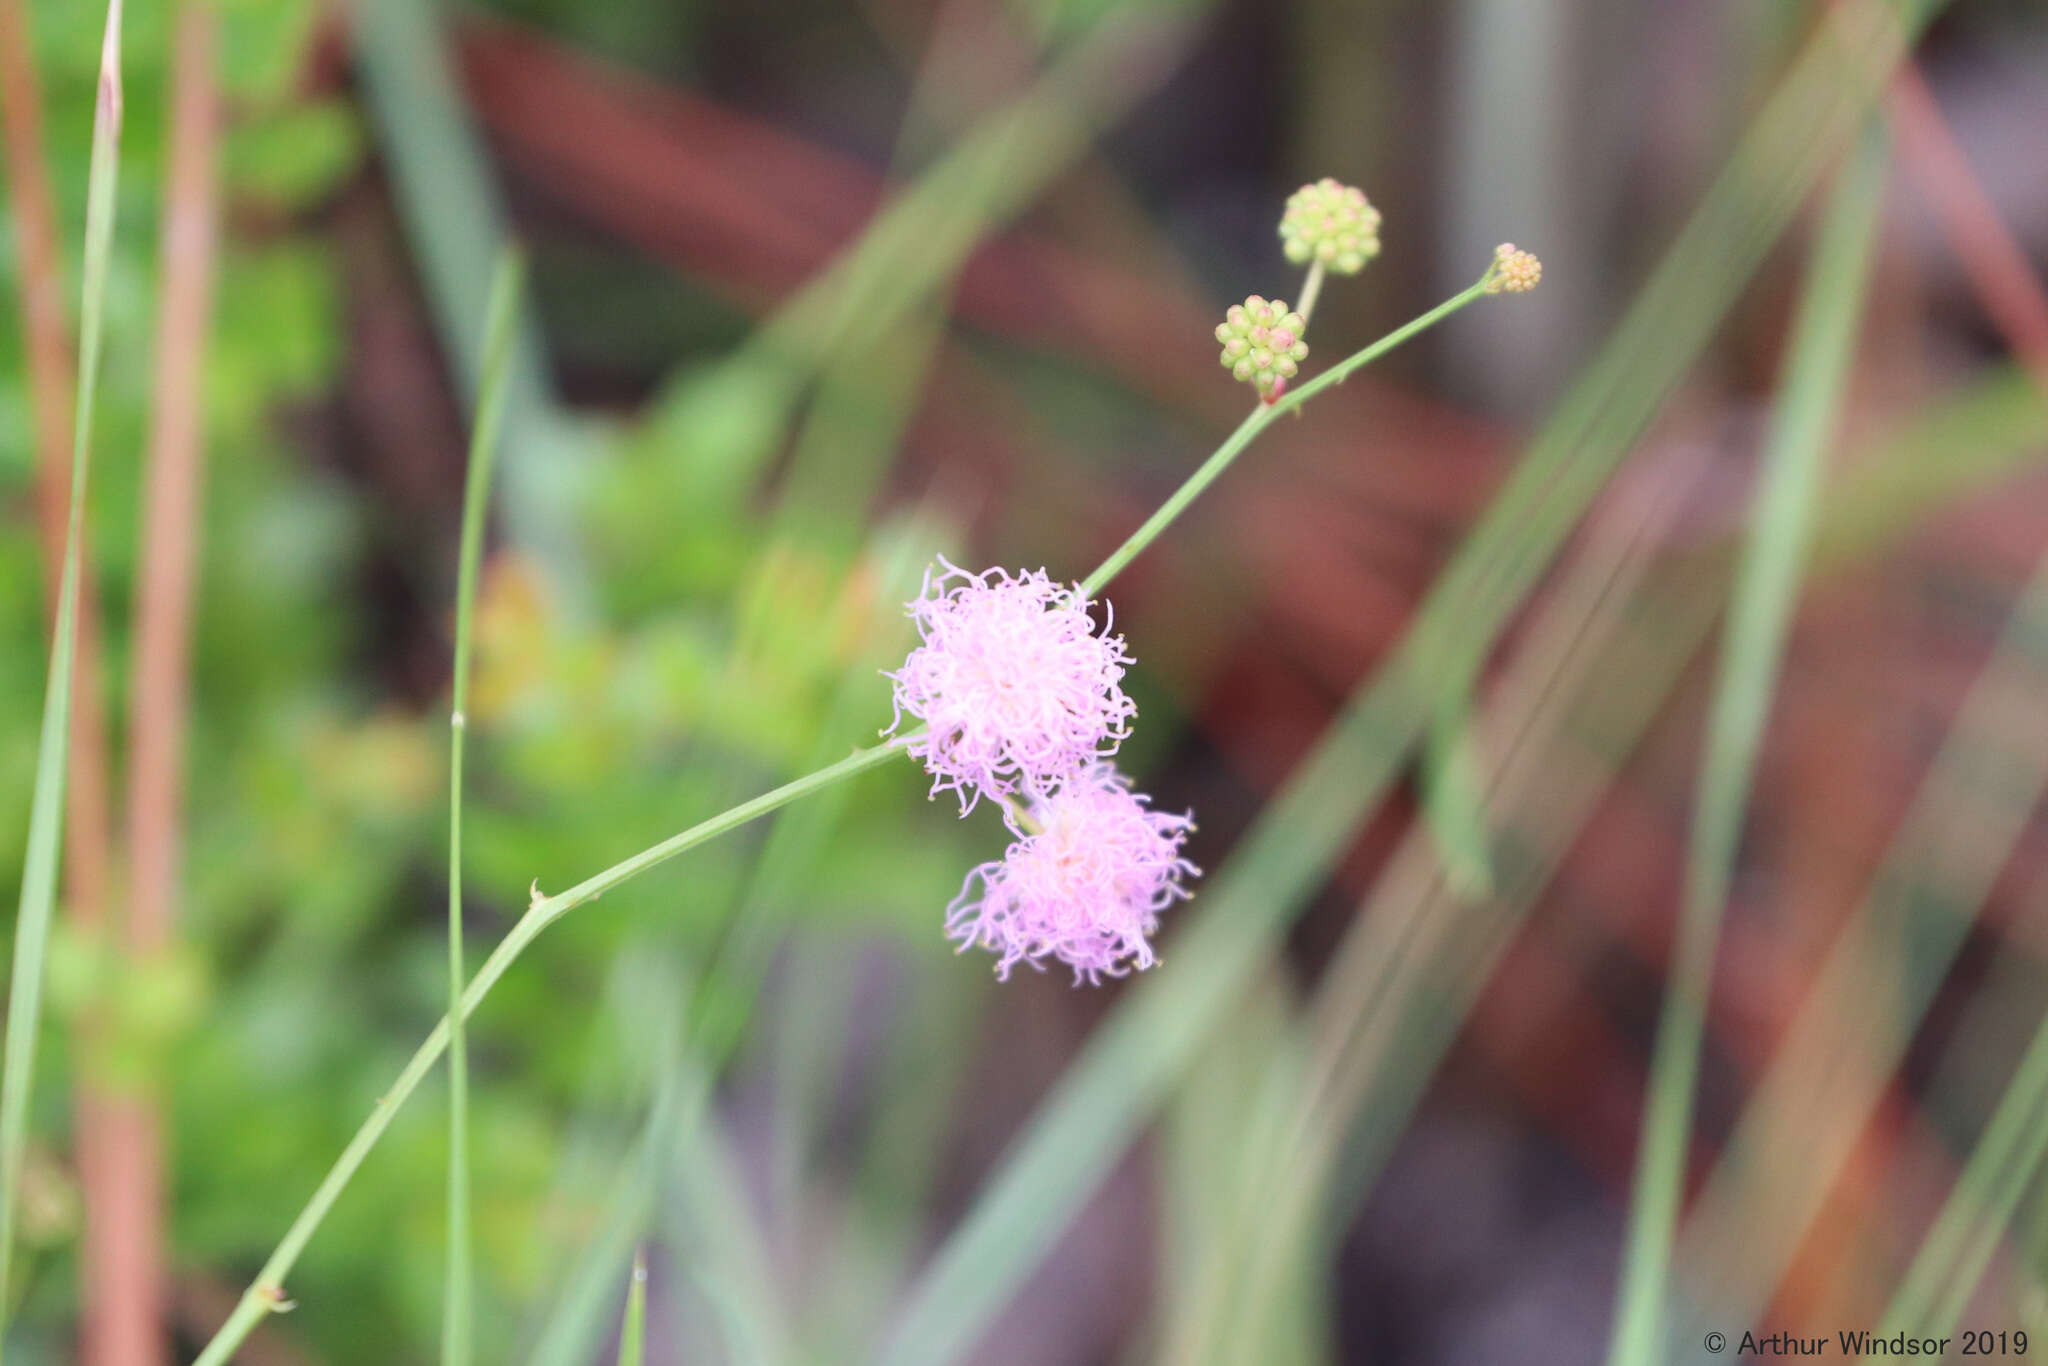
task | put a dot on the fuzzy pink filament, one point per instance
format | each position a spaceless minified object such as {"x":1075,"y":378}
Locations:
{"x":1017,"y":689}
{"x":1085,"y":887}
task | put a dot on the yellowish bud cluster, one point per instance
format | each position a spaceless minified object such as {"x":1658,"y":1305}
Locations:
{"x":1514,"y":271}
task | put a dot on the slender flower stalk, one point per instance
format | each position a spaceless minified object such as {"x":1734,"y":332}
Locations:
{"x":1256,"y":421}
{"x":266,"y":1294}
{"x":46,"y":814}
{"x":457,"y":1313}
{"x":1311,"y":290}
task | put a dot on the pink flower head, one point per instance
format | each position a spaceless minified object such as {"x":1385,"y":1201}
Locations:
{"x":1085,"y":887}
{"x":1017,"y":689}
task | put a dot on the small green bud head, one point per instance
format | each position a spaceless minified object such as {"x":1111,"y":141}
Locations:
{"x":1331,"y":224}
{"x":1514,"y":271}
{"x":1262,"y":344}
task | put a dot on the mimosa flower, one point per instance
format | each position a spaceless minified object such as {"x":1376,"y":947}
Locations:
{"x":1017,"y":689}
{"x":1330,"y":223}
{"x":1086,"y":887}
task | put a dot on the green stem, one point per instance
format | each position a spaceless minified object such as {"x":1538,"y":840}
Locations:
{"x":46,"y":809}
{"x":267,"y":1293}
{"x":457,"y":1312}
{"x":1255,"y":422}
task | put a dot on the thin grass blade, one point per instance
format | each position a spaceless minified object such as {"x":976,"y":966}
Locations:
{"x":1952,"y":1256}
{"x":1760,"y":617}
{"x":1599,"y":658}
{"x":1454,"y":803}
{"x":46,"y":810}
{"x":455,"y":224}
{"x":633,"y":1330}
{"x":1812,"y":1105}
{"x":457,"y":1321}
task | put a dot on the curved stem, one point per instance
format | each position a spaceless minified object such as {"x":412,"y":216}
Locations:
{"x":1255,"y":422}
{"x":1343,"y":369}
{"x":266,"y":1294}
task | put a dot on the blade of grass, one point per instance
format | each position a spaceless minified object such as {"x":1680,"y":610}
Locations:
{"x":1451,"y":797}
{"x":119,"y":1193}
{"x":869,"y":322}
{"x":633,"y":1330}
{"x":456,"y":224}
{"x":46,"y":811}
{"x":1405,"y":978}
{"x":1989,"y":431}
{"x":2004,"y":1198}
{"x":1599,"y":660}
{"x":890,"y":297}
{"x":893,"y":1189}
{"x":499,"y":330}
{"x":1760,"y":618}
{"x":714,"y":1243}
{"x":644,"y":1004}
{"x":1130,"y":1063}
{"x":1793,"y":1138}
{"x":1952,"y":1256}
{"x":1216,"y":1137}
{"x":46,"y":347}
{"x":577,"y":1322}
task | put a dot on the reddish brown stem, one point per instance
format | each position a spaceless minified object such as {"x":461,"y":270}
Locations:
{"x":2005,"y":284}
{"x":126,"y":1322}
{"x":163,"y":601}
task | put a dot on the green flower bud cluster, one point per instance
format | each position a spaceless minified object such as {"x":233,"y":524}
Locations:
{"x":1332,"y":224}
{"x":1262,"y":344}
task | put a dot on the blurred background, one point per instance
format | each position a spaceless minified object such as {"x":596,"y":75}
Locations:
{"x":821,"y":290}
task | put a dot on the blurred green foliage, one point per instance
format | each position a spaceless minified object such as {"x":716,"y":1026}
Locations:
{"x":715,"y":659}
